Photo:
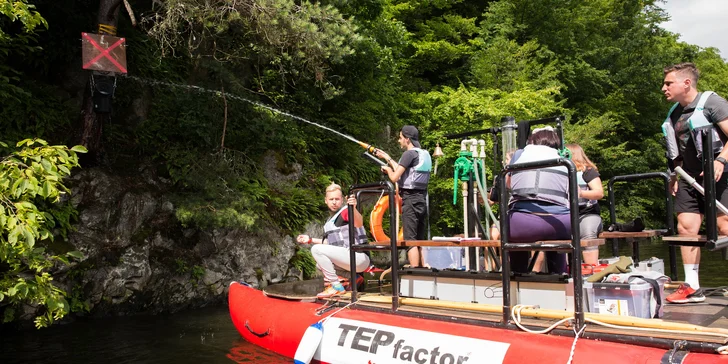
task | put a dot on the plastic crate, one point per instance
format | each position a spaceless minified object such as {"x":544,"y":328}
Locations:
{"x":443,"y":257}
{"x":622,"y":299}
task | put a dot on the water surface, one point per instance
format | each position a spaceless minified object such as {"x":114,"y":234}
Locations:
{"x":204,"y":335}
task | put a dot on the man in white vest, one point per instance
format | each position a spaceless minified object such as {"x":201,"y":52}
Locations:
{"x":680,"y":86}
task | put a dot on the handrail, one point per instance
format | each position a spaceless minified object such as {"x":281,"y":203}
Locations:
{"x":711,"y":215}
{"x":574,"y":247}
{"x":669,"y":215}
{"x":367,"y":188}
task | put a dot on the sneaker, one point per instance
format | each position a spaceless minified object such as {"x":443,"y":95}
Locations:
{"x":686,"y":294}
{"x":333,"y":290}
{"x":343,"y":280}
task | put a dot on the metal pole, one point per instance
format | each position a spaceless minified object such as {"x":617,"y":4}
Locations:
{"x":711,"y":217}
{"x":505,"y":259}
{"x":393,"y":245}
{"x":613,"y":215}
{"x":352,"y":253}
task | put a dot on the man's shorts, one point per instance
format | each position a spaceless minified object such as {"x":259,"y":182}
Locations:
{"x":688,"y":199}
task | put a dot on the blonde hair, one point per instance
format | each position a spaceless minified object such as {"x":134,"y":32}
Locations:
{"x":334,"y":187}
{"x":579,"y":157}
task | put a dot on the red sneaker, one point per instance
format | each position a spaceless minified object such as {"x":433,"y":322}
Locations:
{"x":686,"y":294}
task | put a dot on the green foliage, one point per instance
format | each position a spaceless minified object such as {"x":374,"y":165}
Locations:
{"x":29,"y":176}
{"x":304,"y":262}
{"x":197,"y":272}
{"x":360,"y":67}
{"x":290,"y":40}
{"x":20,"y":10}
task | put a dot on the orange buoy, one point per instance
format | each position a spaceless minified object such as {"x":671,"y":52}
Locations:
{"x":375,"y":219}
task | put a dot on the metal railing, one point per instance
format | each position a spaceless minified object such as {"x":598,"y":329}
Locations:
{"x":574,"y":247}
{"x":669,"y":216}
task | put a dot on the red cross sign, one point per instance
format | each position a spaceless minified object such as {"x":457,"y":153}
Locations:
{"x":103,"y":52}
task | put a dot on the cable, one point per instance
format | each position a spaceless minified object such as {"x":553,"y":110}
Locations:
{"x":516,"y":316}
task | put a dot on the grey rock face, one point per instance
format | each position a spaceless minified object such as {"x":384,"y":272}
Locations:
{"x":138,"y":258}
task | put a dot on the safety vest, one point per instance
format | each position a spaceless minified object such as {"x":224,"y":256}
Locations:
{"x":698,"y":124}
{"x":583,"y":202}
{"x":339,"y":235}
{"x":544,"y":184}
{"x":417,"y":177}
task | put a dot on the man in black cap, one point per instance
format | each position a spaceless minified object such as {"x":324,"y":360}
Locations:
{"x":413,"y":173}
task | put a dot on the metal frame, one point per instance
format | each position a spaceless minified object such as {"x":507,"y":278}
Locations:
{"x":711,"y":214}
{"x":669,"y":216}
{"x":574,"y":248}
{"x":375,"y":188}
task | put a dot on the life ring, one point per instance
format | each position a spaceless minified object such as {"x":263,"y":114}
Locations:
{"x":375,"y":219}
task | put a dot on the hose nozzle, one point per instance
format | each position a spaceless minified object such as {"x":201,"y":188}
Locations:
{"x":368,"y":147}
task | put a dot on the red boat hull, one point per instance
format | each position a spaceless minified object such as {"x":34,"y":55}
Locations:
{"x":358,"y":336}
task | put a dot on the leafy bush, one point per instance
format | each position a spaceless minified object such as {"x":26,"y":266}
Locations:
{"x":28,"y":178}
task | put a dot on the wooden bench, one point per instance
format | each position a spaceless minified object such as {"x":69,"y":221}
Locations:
{"x":639,"y":236}
{"x":629,"y":234}
{"x":690,"y":240}
{"x":538,"y":245}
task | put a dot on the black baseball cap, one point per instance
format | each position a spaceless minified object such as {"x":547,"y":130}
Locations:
{"x":411,"y":132}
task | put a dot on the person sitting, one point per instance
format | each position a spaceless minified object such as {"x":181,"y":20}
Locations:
{"x":333,"y":249}
{"x":590,"y":190}
{"x":539,"y":205}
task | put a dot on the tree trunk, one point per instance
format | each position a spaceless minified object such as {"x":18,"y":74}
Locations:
{"x":91,"y":120}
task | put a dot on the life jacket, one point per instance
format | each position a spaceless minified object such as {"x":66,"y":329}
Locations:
{"x":583,"y":202}
{"x":417,"y":177}
{"x":544,"y":184}
{"x":698,"y":124}
{"x":336,"y":232}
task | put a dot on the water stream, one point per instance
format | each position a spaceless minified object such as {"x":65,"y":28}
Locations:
{"x":152,"y":82}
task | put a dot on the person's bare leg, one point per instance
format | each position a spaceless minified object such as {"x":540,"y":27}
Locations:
{"x":688,"y":223}
{"x":591,"y":256}
{"x":540,"y":260}
{"x":413,"y":255}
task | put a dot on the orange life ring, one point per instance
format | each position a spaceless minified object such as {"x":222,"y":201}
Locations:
{"x":375,"y":219}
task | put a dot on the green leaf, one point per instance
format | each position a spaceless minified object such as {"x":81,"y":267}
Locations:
{"x":29,"y":238}
{"x":46,"y":165}
{"x":63,"y":259}
{"x":46,"y":190}
{"x":79,"y":149}
{"x":75,"y":254}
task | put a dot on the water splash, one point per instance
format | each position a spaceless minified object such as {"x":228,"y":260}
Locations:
{"x":152,"y":82}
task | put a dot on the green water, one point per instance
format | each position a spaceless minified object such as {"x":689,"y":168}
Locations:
{"x":204,"y":335}
{"x":713,"y":267}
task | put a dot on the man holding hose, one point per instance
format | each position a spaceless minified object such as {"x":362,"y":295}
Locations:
{"x":685,"y":149}
{"x":412,"y":172}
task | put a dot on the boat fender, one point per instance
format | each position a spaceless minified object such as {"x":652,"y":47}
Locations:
{"x":309,"y":344}
{"x":375,"y":219}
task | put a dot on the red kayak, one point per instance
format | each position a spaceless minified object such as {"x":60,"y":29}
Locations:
{"x":367,"y":337}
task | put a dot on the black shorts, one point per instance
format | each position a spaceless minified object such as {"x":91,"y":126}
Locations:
{"x":688,"y":199}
